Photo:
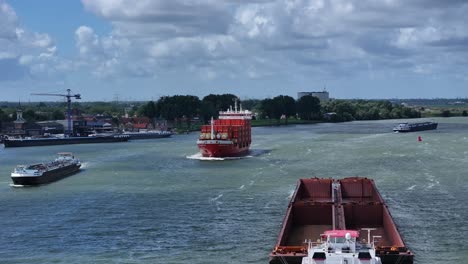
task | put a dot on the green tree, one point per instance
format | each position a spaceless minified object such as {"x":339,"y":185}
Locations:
{"x":267,"y":107}
{"x":3,"y":116}
{"x":178,"y":106}
{"x":308,"y":107}
{"x":207,"y":110}
{"x":191,"y":107}
{"x":150,"y":110}
{"x":396,"y":113}
{"x":464,"y":113}
{"x":213,"y":103}
{"x":446,"y":113}
{"x":29,"y":115}
{"x":251,"y":104}
{"x":58,"y":115}
{"x":284,"y":105}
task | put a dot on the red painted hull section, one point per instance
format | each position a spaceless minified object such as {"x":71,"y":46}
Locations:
{"x":222,"y":150}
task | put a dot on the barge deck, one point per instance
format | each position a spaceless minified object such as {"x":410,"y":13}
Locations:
{"x":318,"y":205}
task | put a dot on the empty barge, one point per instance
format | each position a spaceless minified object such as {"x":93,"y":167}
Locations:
{"x":320,"y":206}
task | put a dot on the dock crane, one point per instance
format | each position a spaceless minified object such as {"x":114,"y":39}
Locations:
{"x":69,"y":95}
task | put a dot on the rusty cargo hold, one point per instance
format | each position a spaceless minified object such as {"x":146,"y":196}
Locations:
{"x":353,"y":203}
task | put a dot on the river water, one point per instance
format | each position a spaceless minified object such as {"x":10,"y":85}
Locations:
{"x":146,"y":202}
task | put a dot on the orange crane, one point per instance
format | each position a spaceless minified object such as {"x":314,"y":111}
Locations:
{"x":69,"y":95}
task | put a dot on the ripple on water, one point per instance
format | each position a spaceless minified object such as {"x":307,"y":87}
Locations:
{"x":140,"y":203}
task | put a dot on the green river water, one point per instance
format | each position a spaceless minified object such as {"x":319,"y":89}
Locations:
{"x":146,"y":202}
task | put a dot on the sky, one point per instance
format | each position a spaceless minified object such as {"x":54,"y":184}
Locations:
{"x":141,"y":50}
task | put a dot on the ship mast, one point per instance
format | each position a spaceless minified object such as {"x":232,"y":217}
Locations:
{"x":212,"y":128}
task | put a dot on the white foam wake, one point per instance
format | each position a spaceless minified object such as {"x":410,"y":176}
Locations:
{"x":198,"y":156}
{"x":84,"y":165}
{"x":252,"y":153}
{"x":17,"y":185}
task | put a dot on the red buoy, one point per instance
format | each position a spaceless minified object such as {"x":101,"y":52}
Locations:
{"x":419,"y":138}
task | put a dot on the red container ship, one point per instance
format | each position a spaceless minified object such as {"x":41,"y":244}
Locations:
{"x":347,"y":218}
{"x":228,"y":136}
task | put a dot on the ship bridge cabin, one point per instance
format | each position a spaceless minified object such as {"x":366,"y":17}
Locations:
{"x":341,"y":241}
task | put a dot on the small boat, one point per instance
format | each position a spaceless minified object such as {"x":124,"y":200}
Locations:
{"x":36,"y":174}
{"x":411,"y":127}
{"x":340,"y":246}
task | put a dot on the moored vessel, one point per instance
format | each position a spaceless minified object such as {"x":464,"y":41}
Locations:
{"x":29,"y":142}
{"x":228,"y":136}
{"x":327,"y":208}
{"x":36,"y":174}
{"x":411,"y":127}
{"x":147,"y":134}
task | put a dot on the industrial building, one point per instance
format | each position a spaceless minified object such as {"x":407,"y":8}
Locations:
{"x":323,"y":96}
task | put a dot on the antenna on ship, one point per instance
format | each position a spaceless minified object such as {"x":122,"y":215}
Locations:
{"x":212,"y":128}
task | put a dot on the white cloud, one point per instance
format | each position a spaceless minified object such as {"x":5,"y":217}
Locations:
{"x":41,"y":40}
{"x":25,"y":53}
{"x":254,"y":21}
{"x":226,"y":38}
{"x":26,"y":59}
{"x":86,"y":41}
{"x":8,"y":21}
{"x":414,"y":38}
{"x":178,"y":17}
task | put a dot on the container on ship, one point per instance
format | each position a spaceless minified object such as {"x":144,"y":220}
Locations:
{"x":227,"y":136}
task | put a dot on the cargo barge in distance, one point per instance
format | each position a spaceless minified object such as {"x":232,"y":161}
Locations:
{"x":148,"y":134}
{"x":29,"y":142}
{"x":36,"y":174}
{"x":228,"y":136}
{"x":350,"y":211}
{"x":412,"y":127}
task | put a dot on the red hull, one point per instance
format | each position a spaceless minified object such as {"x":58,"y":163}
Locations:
{"x":222,"y":150}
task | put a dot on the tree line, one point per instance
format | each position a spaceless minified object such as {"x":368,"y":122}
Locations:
{"x":280,"y":107}
{"x":187,"y":107}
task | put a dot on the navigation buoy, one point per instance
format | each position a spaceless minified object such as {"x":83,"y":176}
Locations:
{"x":419,"y":138}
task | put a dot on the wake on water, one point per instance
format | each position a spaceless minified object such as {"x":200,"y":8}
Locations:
{"x":84,"y":165}
{"x":252,"y":153}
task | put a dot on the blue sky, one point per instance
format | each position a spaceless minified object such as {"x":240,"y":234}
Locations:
{"x":140,"y":50}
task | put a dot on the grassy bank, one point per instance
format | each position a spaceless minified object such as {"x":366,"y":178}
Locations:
{"x":282,"y":122}
{"x":444,"y":111}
